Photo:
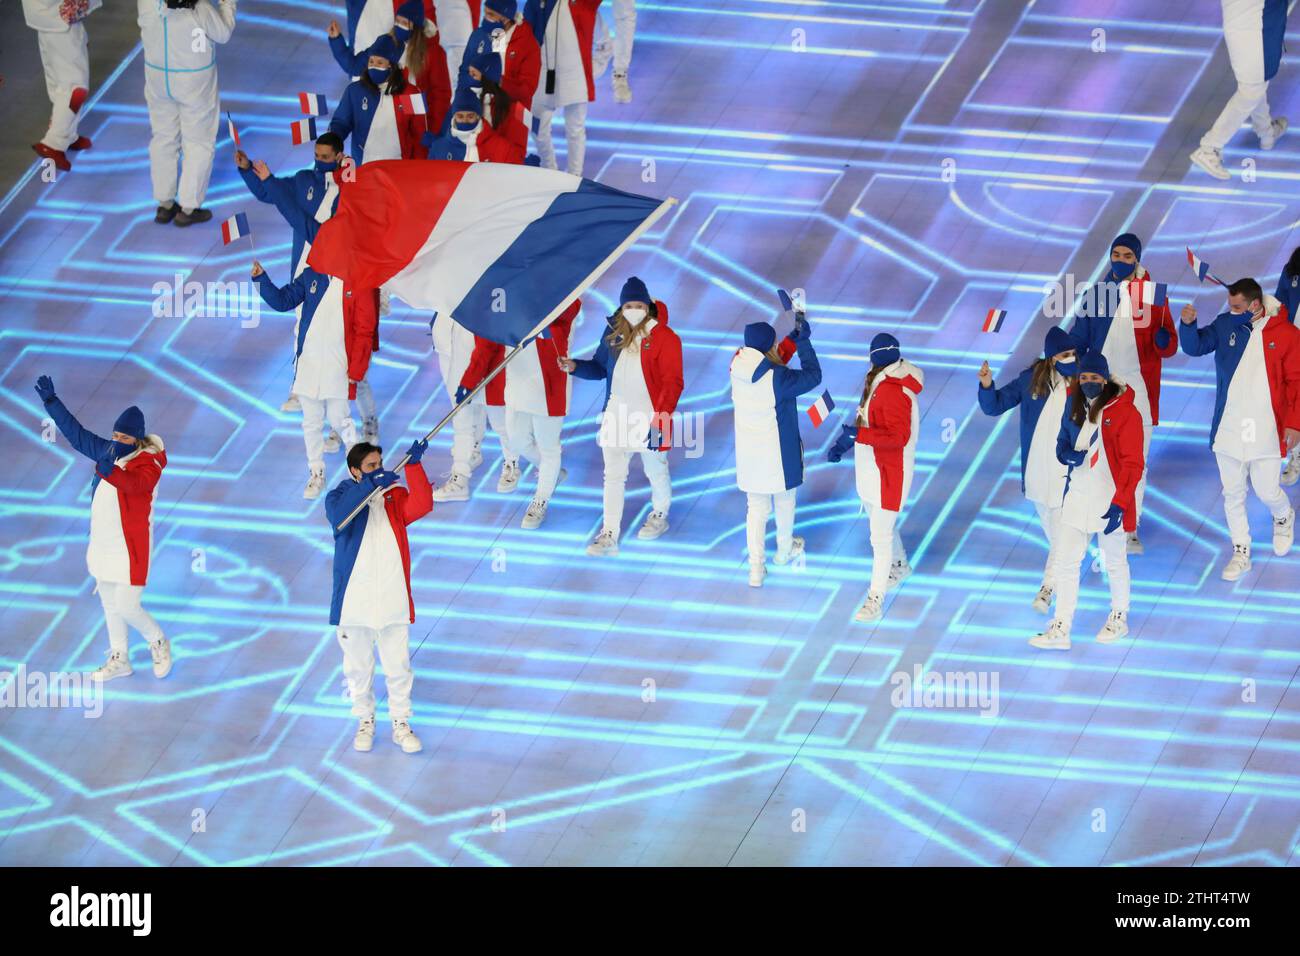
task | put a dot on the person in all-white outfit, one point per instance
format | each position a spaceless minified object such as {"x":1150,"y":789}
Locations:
{"x":127,"y":468}
{"x":180,"y":89}
{"x":564,"y":31}
{"x":65,"y":57}
{"x":619,"y":48}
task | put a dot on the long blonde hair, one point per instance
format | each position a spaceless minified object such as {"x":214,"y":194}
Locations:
{"x":416,"y":49}
{"x":866,"y":392}
{"x":622,"y":335}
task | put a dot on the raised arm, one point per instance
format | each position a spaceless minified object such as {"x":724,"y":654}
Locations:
{"x":86,"y":442}
{"x":788,"y":383}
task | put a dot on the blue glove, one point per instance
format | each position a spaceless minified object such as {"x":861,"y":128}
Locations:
{"x":1114,"y":518}
{"x":417,"y":450}
{"x":532,"y":159}
{"x":381,"y":478}
{"x":462,"y":393}
{"x":1072,"y":458}
{"x":1162,"y":338}
{"x":848,"y":435}
{"x":427,"y":140}
{"x":802,"y":329}
{"x":115,"y":450}
{"x":45,"y":389}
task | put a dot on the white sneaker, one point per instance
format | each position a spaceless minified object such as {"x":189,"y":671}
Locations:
{"x":871,"y":608}
{"x":1055,"y":638}
{"x":1269,"y":139}
{"x":365,"y":738}
{"x":455,"y":488}
{"x":1284,"y":533}
{"x":332,"y":442}
{"x":1043,"y":603}
{"x":370,"y":430}
{"x":405,"y":737}
{"x":1135,"y":545}
{"x":606,"y":544}
{"x":1210,"y":160}
{"x":291,"y":404}
{"x":1238,"y":564}
{"x":161,"y":651}
{"x":622,"y":92}
{"x":602,"y":51}
{"x":534,"y":516}
{"x":796,"y":549}
{"x":315,"y":485}
{"x":654,"y":526}
{"x":899,"y":572}
{"x":1291,"y":473}
{"x":509,"y":479}
{"x":1116,"y":626}
{"x":116,"y":666}
{"x":756,"y":574}
{"x":476,"y":457}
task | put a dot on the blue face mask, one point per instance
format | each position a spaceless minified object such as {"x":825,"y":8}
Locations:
{"x":324,"y":167}
{"x":465,"y":127}
{"x":378,"y":77}
{"x":1092,"y":389}
{"x":1122,"y":270}
{"x":1067,"y":368}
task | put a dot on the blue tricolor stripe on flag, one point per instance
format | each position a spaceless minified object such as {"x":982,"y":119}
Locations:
{"x":821,"y":409}
{"x":993,"y":321}
{"x":1202,"y":269}
{"x":303,"y":130}
{"x":1155,"y":293}
{"x":234,"y":227}
{"x":313,"y":104}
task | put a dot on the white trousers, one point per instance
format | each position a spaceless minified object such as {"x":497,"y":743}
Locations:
{"x":1071,"y":548}
{"x":624,"y":33}
{"x":366,"y":406}
{"x":66,"y":59}
{"x":314,"y":413}
{"x":617,"y":463}
{"x":575,"y":133}
{"x":1050,"y":519}
{"x":886,"y":545}
{"x":454,"y":28}
{"x":537,"y":438}
{"x":467,"y":431}
{"x":183,"y":118}
{"x":760,"y":506}
{"x":1140,"y":493}
{"x":1243,"y":33}
{"x":1264,"y":475}
{"x":359,"y":645}
{"x":122,"y":607}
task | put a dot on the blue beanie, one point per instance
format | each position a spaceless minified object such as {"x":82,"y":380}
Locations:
{"x":634,"y":290}
{"x":884,"y":349}
{"x":506,"y":8}
{"x":1095,"y":362}
{"x":466,"y":101}
{"x":1128,"y":241}
{"x":489,"y":64}
{"x":413,"y":10}
{"x":1057,"y":341}
{"x":386,"y":47}
{"x":760,"y":335}
{"x":130,"y":422}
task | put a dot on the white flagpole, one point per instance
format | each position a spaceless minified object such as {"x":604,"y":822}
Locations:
{"x":595,"y":274}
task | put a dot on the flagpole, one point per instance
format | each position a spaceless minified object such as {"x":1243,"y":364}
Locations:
{"x":595,"y":274}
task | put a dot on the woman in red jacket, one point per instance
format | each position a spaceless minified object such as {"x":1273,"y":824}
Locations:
{"x":640,"y":360}
{"x":424,"y":62}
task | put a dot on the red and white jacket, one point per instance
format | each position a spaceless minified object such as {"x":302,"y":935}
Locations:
{"x":536,"y":383}
{"x":121,"y":516}
{"x":565,"y":29}
{"x":1112,"y":466}
{"x":884,"y":452}
{"x":521,"y":64}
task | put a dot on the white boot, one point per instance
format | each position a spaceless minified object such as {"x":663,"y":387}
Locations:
{"x":509,"y":479}
{"x":757,"y":572}
{"x":116,"y":666}
{"x":654,"y":526}
{"x":332,"y":442}
{"x":405,"y":737}
{"x":161,"y":651}
{"x":622,"y":92}
{"x":872,"y":608}
{"x":1134,"y":544}
{"x":1043,"y":603}
{"x":1116,"y":626}
{"x":1269,"y":139}
{"x":1238,"y":564}
{"x":476,"y":456}
{"x":534,"y":516}
{"x":370,"y":430}
{"x":365,"y":738}
{"x":1210,"y":160}
{"x":796,"y":551}
{"x":315,"y":484}
{"x":291,"y":404}
{"x":455,"y":488}
{"x":1284,"y":533}
{"x":1055,"y":638}
{"x":899,"y":571}
{"x":1291,"y":473}
{"x":605,"y":545}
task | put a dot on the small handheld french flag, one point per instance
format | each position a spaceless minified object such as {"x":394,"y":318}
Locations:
{"x":821,"y":409}
{"x":1201,"y":269}
{"x":313,"y":104}
{"x":234,"y":227}
{"x":412,"y":103}
{"x":1155,"y":293}
{"x":234,"y":133}
{"x":303,"y":131}
{"x":993,"y":321}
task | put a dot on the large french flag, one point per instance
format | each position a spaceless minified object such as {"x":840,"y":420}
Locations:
{"x":503,"y":249}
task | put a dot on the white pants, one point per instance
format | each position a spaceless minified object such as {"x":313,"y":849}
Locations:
{"x":624,"y":32}
{"x":184,"y":124}
{"x":1243,"y":32}
{"x":1141,"y":492}
{"x":537,"y":438}
{"x":314,"y":413}
{"x":617,"y":463}
{"x":1071,"y":547}
{"x":358,"y":645}
{"x":454,"y":28}
{"x":886,"y":545}
{"x":467,"y":430}
{"x":760,"y":506}
{"x":575,"y":132}
{"x":1050,"y":518}
{"x":66,"y":59}
{"x":1263,"y":474}
{"x":366,"y":406}
{"x":122,"y":607}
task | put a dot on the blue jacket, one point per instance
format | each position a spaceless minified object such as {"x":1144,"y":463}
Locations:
{"x":1274,"y":33}
{"x":1016,"y":393}
{"x":297,"y":198}
{"x":87,"y":442}
{"x":351,"y":62}
{"x":1288,"y":293}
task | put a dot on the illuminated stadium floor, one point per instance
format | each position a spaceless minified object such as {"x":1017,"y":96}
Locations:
{"x":772,"y":738}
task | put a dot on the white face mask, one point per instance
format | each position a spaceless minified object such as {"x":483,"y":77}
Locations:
{"x":635,"y":316}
